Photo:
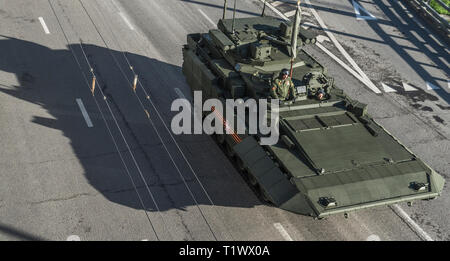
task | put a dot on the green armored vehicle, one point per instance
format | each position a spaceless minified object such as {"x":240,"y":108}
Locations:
{"x":331,"y":157}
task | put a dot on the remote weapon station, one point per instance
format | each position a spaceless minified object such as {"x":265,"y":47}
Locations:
{"x":331,"y":156}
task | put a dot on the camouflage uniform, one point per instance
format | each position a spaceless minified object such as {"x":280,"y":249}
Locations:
{"x":282,"y":89}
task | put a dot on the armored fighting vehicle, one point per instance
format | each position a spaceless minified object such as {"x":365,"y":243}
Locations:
{"x":331,"y":157}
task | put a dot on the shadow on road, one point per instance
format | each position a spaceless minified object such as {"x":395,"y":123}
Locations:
{"x":48,"y":78}
{"x":409,"y":30}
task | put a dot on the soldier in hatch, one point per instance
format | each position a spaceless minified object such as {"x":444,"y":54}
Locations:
{"x":282,"y":87}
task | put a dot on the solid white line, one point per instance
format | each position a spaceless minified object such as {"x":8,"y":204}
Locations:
{"x":360,"y":75}
{"x":84,"y":112}
{"x":283,"y":232}
{"x":207,"y":17}
{"x":342,"y":50}
{"x":413,"y":225}
{"x":275,"y":10}
{"x":44,"y":25}
{"x":126,"y":20}
{"x":345,"y":66}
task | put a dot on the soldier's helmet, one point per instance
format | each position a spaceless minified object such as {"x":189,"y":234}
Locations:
{"x":284,"y":72}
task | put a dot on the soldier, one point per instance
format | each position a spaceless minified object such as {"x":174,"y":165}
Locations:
{"x":283,"y":87}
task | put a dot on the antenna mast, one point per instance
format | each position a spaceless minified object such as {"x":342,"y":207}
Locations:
{"x":264,"y":8}
{"x":224,"y":8}
{"x":234,"y":16}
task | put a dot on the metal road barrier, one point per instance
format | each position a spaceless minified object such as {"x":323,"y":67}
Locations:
{"x":431,"y":16}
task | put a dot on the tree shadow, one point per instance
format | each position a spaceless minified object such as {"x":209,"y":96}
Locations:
{"x":51,"y":80}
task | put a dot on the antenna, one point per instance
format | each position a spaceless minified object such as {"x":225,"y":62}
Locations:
{"x":224,"y":8}
{"x":234,"y":16}
{"x":264,"y":8}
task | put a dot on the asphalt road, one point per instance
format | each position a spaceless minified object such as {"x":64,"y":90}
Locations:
{"x":123,"y":177}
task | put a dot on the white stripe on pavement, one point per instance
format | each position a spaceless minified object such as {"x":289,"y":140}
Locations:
{"x":126,"y":20}
{"x":207,"y":17}
{"x":408,"y":87}
{"x":413,"y":225}
{"x":283,"y":232}
{"x":276,"y":3}
{"x":84,"y":112}
{"x":73,"y":238}
{"x":386,"y":88}
{"x":290,"y":13}
{"x":44,"y":25}
{"x":341,"y":49}
{"x":373,"y":238}
{"x":431,"y":86}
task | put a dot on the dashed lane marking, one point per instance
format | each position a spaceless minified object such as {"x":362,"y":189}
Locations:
{"x":283,"y":232}
{"x":85,"y":114}
{"x":44,"y":25}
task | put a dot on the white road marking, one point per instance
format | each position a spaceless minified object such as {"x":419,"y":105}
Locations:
{"x":387,"y":88}
{"x":408,"y":87}
{"x":275,"y":10}
{"x":431,"y":86}
{"x":44,"y":25}
{"x":283,"y":232}
{"x":373,"y":238}
{"x":361,"y":76}
{"x":125,"y":19}
{"x":322,"y":38}
{"x":413,"y":225}
{"x":345,"y":66}
{"x":144,"y":239}
{"x":84,"y":112}
{"x":358,"y":9}
{"x":306,"y":13}
{"x":277,"y":3}
{"x":290,"y":13}
{"x":207,"y":17}
{"x":341,"y":49}
{"x":73,"y":238}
